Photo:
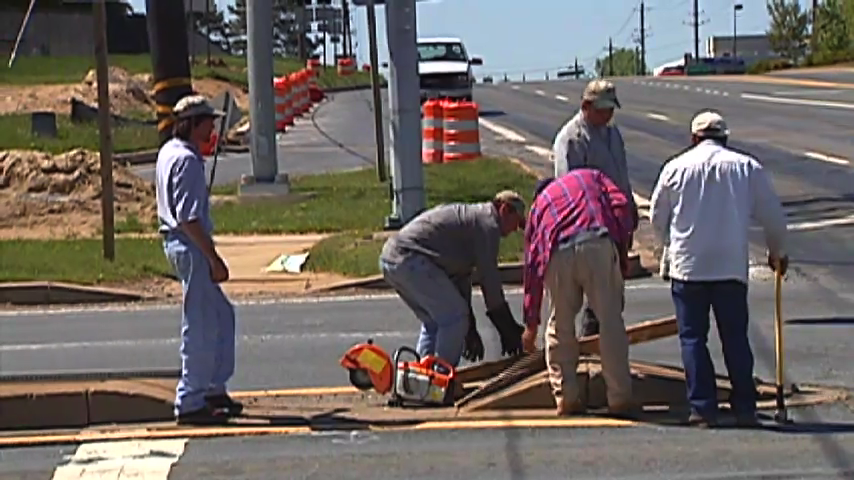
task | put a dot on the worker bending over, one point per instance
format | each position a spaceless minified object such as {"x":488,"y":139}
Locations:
{"x":207,"y":321}
{"x":591,"y":139}
{"x":576,"y":243}
{"x":701,"y":209}
{"x":429,"y":263}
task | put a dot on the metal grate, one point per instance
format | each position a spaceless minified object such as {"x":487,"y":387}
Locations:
{"x":518,"y":371}
{"x":89,"y":376}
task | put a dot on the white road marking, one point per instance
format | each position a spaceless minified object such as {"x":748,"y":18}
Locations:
{"x":515,"y":87}
{"x":798,"y":101}
{"x":814,"y":225}
{"x":503,"y":131}
{"x":827,"y":158}
{"x":149,"y":459}
{"x":658,"y":116}
{"x":540,"y":93}
{"x":376,"y":297}
{"x":562,"y":98}
{"x":808,"y":92}
{"x":543,"y":151}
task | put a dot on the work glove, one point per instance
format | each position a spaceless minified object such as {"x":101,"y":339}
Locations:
{"x":473,"y":350}
{"x":509,"y":331}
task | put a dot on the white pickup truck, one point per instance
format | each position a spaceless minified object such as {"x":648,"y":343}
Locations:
{"x":444,"y":68}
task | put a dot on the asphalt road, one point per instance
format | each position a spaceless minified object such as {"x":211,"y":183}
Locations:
{"x":337,"y":135}
{"x":788,"y":139}
{"x":616,"y":453}
{"x":831,"y":74}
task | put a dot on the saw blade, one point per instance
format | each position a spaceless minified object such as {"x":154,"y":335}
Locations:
{"x":361,"y":379}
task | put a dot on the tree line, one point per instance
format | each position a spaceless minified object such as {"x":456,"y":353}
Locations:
{"x":228,"y":31}
{"x":798,"y":35}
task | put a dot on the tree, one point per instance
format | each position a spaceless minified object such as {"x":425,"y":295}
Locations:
{"x":286,"y":28}
{"x":833,"y":32}
{"x":788,"y":32}
{"x":625,"y":63}
{"x":215,"y":28}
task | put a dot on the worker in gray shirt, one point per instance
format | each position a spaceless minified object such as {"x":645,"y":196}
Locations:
{"x":590,"y":139}
{"x":430,"y":262}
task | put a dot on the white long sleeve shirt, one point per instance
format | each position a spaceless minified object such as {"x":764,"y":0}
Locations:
{"x":701,"y":210}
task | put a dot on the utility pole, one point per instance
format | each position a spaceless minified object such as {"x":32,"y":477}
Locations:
{"x":379,"y":136}
{"x":577,"y":74}
{"x":696,"y":24}
{"x":814,"y":29}
{"x":610,"y":57}
{"x":265,"y":176}
{"x":104,"y":128}
{"x":642,"y":39}
{"x":348,"y":39}
{"x":405,"y":109}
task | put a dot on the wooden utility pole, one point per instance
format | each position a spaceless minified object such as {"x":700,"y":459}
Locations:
{"x":610,"y":57}
{"x":642,"y":39}
{"x":106,"y":140}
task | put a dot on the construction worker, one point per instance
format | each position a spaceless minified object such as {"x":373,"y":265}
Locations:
{"x":701,"y":209}
{"x":591,"y":139}
{"x":430,"y":261}
{"x":576,"y":243}
{"x":207,"y":320}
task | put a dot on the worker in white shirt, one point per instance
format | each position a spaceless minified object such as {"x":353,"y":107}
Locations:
{"x":701,"y":209}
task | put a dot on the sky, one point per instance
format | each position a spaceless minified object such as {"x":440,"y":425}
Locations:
{"x":546,"y":35}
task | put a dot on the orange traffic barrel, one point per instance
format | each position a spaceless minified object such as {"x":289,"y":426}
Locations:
{"x":431,"y":131}
{"x":346,"y":66}
{"x":280,"y":92}
{"x":460,"y":135}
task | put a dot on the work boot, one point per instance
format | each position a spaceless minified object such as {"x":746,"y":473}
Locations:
{"x":232,"y":407}
{"x":206,"y":415}
{"x":697,"y":420}
{"x":565,"y":407}
{"x":626,"y":411}
{"x":589,"y":323}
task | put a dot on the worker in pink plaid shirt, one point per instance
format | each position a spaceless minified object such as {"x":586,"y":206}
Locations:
{"x":576,"y":243}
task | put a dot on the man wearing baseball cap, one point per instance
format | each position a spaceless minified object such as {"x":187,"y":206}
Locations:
{"x":591,"y":139}
{"x":430,"y":262}
{"x":718,"y":191}
{"x":207,"y":320}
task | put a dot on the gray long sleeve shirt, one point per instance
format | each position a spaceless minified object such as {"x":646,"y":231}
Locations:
{"x":458,"y":238}
{"x":579,"y":144}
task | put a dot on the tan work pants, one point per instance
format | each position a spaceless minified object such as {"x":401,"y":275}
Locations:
{"x":592,"y":268}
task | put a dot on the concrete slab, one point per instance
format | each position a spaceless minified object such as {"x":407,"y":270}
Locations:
{"x":49,"y":293}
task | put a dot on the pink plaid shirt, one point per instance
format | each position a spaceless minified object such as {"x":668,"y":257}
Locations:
{"x":583,"y":199}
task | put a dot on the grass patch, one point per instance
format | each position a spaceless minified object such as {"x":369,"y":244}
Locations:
{"x":15,"y":132}
{"x":72,"y":69}
{"x":81,"y":261}
{"x":356,"y":254}
{"x":356,"y":201}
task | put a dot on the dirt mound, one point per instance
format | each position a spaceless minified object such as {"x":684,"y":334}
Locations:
{"x":128,"y":94}
{"x":44,"y":195}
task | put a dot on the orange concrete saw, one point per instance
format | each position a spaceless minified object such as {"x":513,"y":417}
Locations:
{"x":423,"y":381}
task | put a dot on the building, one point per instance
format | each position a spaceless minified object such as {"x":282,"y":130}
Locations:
{"x":66,"y":29}
{"x":751,"y":48}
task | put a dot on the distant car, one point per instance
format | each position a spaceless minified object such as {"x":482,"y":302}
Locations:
{"x":671,"y":71}
{"x":444,"y":69}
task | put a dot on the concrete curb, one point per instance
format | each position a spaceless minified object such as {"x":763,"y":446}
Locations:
{"x":511,"y":274}
{"x":136,"y":158}
{"x":49,"y":293}
{"x":350,"y":88}
{"x":60,"y":405}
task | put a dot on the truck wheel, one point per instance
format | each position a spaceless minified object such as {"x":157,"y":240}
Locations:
{"x":467,"y":98}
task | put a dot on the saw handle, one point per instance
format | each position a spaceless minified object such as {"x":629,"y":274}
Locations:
{"x":436,"y":363}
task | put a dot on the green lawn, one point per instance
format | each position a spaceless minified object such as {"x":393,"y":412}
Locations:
{"x":72,"y":69}
{"x":345,"y":203}
{"x":81,"y":261}
{"x":15,"y":132}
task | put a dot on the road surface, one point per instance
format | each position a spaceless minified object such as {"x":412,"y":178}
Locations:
{"x":806,"y":147}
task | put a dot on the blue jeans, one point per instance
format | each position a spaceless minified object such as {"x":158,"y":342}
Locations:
{"x":728,"y":300}
{"x":207,"y":327}
{"x":436,"y":302}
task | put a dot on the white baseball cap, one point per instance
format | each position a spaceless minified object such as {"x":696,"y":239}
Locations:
{"x":709,"y":124}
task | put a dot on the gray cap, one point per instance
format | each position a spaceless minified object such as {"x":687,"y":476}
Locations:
{"x":602,"y":93}
{"x":709,"y":124}
{"x":195,"y":106}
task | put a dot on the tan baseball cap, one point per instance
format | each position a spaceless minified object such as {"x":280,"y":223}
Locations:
{"x":709,"y":124}
{"x":602,"y":93}
{"x":195,"y":106}
{"x":514,"y":200}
